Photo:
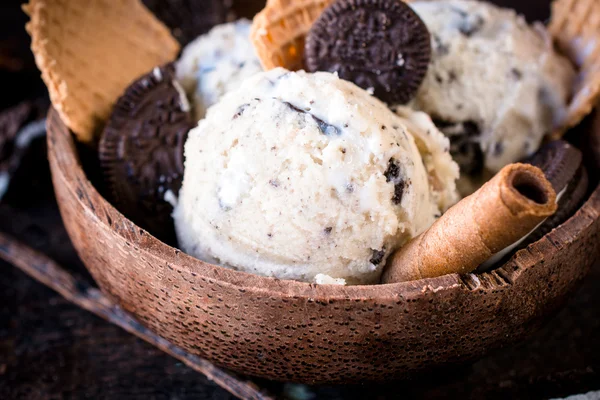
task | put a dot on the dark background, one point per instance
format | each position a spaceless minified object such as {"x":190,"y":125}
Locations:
{"x":50,"y":349}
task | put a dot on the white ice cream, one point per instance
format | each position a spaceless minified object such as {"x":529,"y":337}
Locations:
{"x":216,"y":63}
{"x":308,"y":177}
{"x":495,"y":84}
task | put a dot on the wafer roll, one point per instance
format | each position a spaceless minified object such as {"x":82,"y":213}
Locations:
{"x":504,"y":210}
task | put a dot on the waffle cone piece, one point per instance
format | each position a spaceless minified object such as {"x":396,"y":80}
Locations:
{"x":501,"y":212}
{"x":89,"y":51}
{"x":279,"y":30}
{"x":575,"y":26}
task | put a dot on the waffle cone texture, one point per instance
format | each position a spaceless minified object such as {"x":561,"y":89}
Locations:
{"x":89,"y":51}
{"x":279,"y":30}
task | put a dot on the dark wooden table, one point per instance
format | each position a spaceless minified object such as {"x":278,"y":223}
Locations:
{"x":51,"y":349}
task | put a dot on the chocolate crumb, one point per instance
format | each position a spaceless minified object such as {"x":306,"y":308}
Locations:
{"x":468,"y":155}
{"x":328,"y":230}
{"x":471,"y":128}
{"x":240,"y":110}
{"x":516,"y":73}
{"x":393,"y":171}
{"x":440,"y":47}
{"x":464,"y":146}
{"x":451,"y":76}
{"x":392,"y":174}
{"x":284,"y":75}
{"x":398,"y":192}
{"x":324,"y":127}
{"x":461,"y":13}
{"x":377,"y":257}
{"x":470,"y":27}
{"x":498,"y":148}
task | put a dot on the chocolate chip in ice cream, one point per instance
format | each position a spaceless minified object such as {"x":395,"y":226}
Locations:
{"x":141,"y":150}
{"x":464,"y":145}
{"x":380,"y":45}
{"x":240,"y":110}
{"x":440,"y":48}
{"x":467,"y":154}
{"x":378,"y":256}
{"x":392,"y":174}
{"x":324,"y":127}
{"x":471,"y":26}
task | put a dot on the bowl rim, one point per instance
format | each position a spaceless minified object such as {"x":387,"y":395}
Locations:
{"x":62,"y":152}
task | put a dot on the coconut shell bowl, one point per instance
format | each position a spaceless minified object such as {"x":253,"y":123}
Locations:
{"x":294,"y":331}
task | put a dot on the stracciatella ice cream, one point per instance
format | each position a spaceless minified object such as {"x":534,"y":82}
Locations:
{"x":308,"y":177}
{"x":495,"y":85}
{"x":216,"y":63}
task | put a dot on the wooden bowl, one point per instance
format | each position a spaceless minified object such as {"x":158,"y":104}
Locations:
{"x":292,"y":331}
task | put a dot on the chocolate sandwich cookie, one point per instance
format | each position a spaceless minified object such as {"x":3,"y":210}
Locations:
{"x":380,"y":45}
{"x":141,"y":150}
{"x":189,"y":19}
{"x":562,"y":164}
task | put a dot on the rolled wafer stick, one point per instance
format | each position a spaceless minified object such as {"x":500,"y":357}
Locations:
{"x":504,"y":210}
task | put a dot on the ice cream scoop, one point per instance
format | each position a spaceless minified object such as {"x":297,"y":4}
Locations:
{"x":495,"y":85}
{"x":217,"y":62}
{"x":296,"y":175}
